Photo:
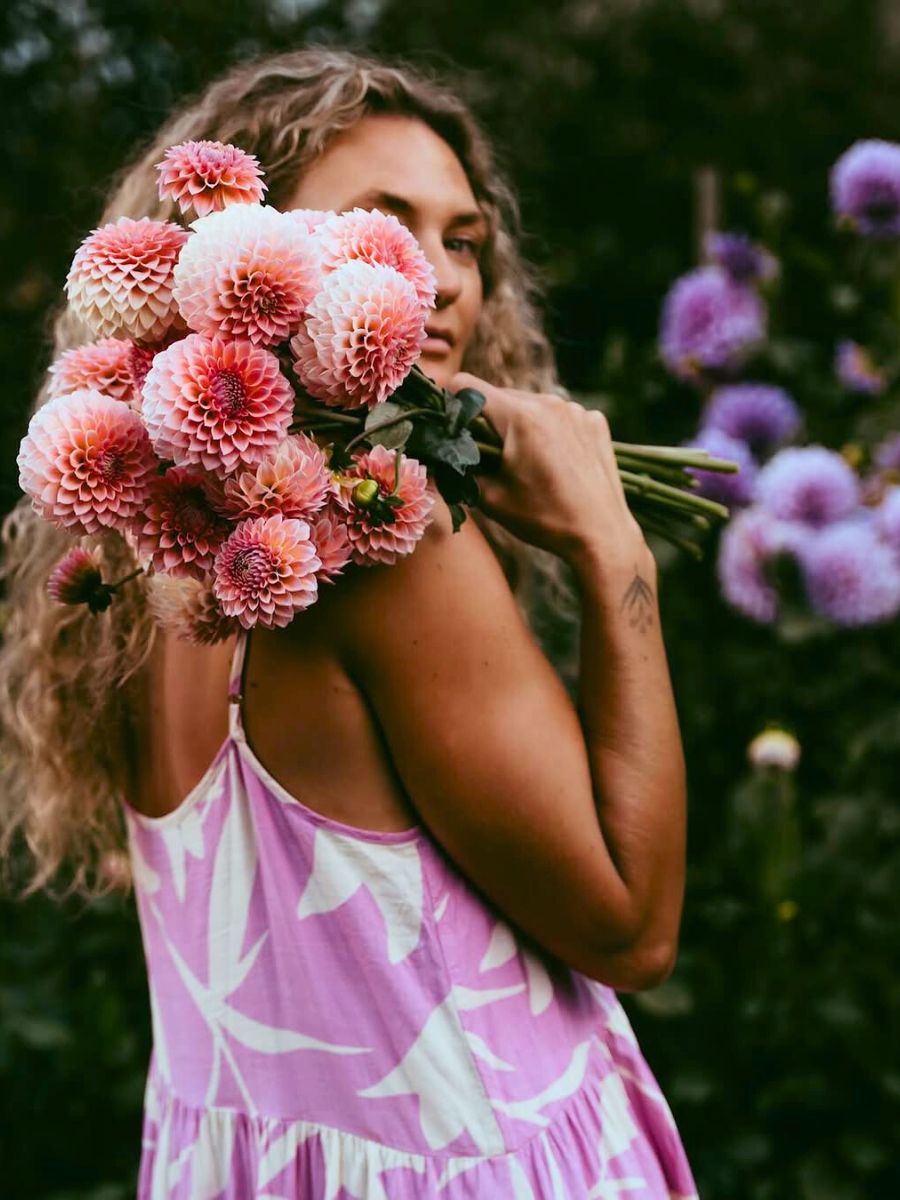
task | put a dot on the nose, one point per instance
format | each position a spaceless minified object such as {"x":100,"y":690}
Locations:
{"x":448,"y":276}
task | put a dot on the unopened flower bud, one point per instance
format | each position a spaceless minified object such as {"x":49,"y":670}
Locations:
{"x":774,"y":748}
{"x":365,"y":492}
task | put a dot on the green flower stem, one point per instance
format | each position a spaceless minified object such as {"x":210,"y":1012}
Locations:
{"x":681,"y":456}
{"x":650,"y":522}
{"x":319,"y":414}
{"x":673,"y":475}
{"x":125,"y":579}
{"x":662,"y":492}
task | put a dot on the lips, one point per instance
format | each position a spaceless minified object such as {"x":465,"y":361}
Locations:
{"x":443,"y":334}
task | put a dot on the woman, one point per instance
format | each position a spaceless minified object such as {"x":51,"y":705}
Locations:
{"x":387,"y":875}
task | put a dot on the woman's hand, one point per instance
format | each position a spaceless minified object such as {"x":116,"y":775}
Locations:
{"x":557,"y":485}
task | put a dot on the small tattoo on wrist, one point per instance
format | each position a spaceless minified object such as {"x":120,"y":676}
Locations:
{"x":638,"y":603}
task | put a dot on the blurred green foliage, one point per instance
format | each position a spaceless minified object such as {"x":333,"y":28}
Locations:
{"x":776,"y":1038}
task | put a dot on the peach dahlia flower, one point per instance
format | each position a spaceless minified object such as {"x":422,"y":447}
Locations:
{"x":373,"y":539}
{"x":266,"y":571}
{"x":247,"y":272}
{"x":216,"y":402}
{"x":86,"y":462}
{"x":363,"y":333}
{"x":208,"y":176}
{"x":122,"y":275}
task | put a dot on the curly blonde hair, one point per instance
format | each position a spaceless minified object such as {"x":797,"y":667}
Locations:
{"x":69,"y":721}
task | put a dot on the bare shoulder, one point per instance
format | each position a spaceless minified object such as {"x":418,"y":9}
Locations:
{"x":483,"y":735}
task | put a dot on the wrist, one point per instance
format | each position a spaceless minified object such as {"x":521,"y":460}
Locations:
{"x":591,"y":558}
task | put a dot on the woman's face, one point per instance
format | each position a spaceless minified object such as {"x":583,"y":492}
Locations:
{"x":400,"y":165}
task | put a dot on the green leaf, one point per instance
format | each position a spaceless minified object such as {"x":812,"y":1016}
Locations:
{"x":472,"y":402}
{"x":394,"y":437}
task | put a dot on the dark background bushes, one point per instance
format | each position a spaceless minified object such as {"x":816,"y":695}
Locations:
{"x":776,"y":1038}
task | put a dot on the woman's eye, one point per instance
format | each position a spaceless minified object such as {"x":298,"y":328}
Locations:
{"x":470,"y":246}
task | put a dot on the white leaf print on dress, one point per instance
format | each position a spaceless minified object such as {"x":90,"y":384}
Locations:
{"x":392,"y":874}
{"x":503,"y":946}
{"x":567,"y":1083}
{"x":186,"y":835}
{"x":438,"y":1069}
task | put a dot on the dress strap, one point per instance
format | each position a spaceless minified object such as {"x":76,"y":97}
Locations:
{"x":235,"y":679}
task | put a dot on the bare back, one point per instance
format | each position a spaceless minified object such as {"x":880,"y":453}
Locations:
{"x":306,"y":720}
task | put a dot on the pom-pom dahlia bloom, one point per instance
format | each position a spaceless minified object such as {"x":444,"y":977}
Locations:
{"x":856,"y":371}
{"x":743,"y":259}
{"x":247,"y":272}
{"x":207,"y":176}
{"x":86,"y":462}
{"x":266,"y":571}
{"x":328,"y":528}
{"x":750,"y":543}
{"x":375,"y":536}
{"x":363,"y":333}
{"x":709,"y":324}
{"x":736,"y":488}
{"x":189,"y":608}
{"x":77,"y":579}
{"x":852,"y":577}
{"x":865,"y":188}
{"x":379,"y":239}
{"x":759,"y":414}
{"x":216,"y":402}
{"x":103,"y":366}
{"x":309,"y":219}
{"x":180,"y":529}
{"x":122,"y":276}
{"x":293,"y":479}
{"x":810,"y":484}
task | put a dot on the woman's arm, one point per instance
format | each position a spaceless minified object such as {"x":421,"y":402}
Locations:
{"x":630,"y":724}
{"x":491,"y":751}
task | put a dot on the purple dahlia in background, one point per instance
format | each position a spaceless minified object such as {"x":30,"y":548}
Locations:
{"x":759,"y":414}
{"x":709,"y":324}
{"x":750,"y":544}
{"x":740,"y":257}
{"x":851,"y":575}
{"x":886,"y":518}
{"x":810,"y":484}
{"x":734,"y":489}
{"x":865,"y":188}
{"x":886,"y":454}
{"x":855,"y":369}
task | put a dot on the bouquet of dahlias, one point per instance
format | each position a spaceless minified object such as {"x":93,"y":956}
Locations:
{"x":251,"y":417}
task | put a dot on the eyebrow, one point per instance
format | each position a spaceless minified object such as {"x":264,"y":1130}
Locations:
{"x":399,"y":205}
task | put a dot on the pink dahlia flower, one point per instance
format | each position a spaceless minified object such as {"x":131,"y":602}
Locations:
{"x":380,"y":532}
{"x":309,"y":218}
{"x":103,"y":366}
{"x":180,"y":529}
{"x":332,"y":541}
{"x":86,"y":462}
{"x":77,"y":579}
{"x":266,"y":571}
{"x":140,"y":360}
{"x":379,"y":239}
{"x":208,"y":176}
{"x":292,"y":479}
{"x":216,"y":402}
{"x":189,"y":608}
{"x":363,"y":334}
{"x":247,"y":272}
{"x":122,"y":275}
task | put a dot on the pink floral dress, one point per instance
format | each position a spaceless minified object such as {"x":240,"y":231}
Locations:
{"x":338,"y":1015}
